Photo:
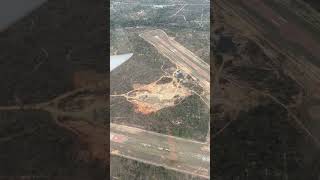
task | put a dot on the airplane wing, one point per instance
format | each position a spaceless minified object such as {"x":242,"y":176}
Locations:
{"x":13,"y":10}
{"x":117,"y":60}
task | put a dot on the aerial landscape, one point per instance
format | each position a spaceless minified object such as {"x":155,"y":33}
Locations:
{"x":265,"y":93}
{"x":160,"y":97}
{"x":52,"y":101}
{"x":231,"y":85}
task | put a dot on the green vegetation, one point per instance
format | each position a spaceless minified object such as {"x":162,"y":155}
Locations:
{"x":187,"y":120}
{"x":128,"y":169}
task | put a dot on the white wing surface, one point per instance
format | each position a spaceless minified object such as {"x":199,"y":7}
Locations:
{"x":13,"y":10}
{"x":117,"y":60}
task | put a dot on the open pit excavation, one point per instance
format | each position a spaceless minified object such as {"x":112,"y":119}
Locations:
{"x":150,"y":98}
{"x":187,"y":156}
{"x":167,"y":91}
{"x":182,"y":58}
